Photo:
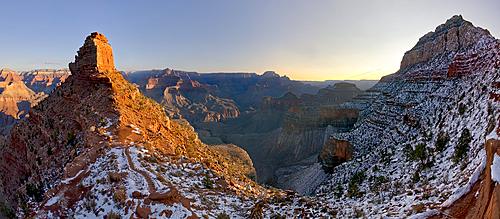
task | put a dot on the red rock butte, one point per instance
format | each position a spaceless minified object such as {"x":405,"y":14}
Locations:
{"x":94,"y":57}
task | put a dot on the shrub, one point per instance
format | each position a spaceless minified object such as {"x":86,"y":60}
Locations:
{"x":113,"y":215}
{"x":6,"y":211}
{"x":416,"y":177}
{"x":378,"y":182}
{"x":356,"y":179}
{"x":353,"y":190}
{"x":339,"y":191}
{"x":491,"y":125}
{"x":277,"y":216}
{"x":463,"y":145}
{"x":72,"y":138}
{"x":90,"y":204}
{"x":207,"y":182}
{"x":461,"y":108}
{"x":119,"y":197}
{"x":419,"y":154}
{"x":161,"y":178}
{"x":256,"y":211}
{"x":441,"y":141}
{"x":35,"y":192}
{"x":223,"y":215}
{"x":49,"y":150}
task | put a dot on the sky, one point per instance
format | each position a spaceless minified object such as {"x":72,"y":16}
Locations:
{"x":305,"y":40}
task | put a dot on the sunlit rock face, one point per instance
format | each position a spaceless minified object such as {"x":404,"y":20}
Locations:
{"x":452,"y":36}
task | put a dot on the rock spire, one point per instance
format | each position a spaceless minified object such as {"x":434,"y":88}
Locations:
{"x":94,"y":57}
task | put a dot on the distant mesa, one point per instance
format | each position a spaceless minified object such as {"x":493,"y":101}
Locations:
{"x":270,"y":74}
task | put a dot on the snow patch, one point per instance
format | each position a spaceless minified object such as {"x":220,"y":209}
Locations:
{"x":66,"y":181}
{"x":492,"y":135}
{"x":495,"y":168}
{"x":426,"y":214}
{"x":466,"y":189}
{"x":108,"y":123}
{"x":52,"y":201}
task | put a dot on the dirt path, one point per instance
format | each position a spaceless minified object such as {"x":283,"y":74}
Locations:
{"x":151,"y":185}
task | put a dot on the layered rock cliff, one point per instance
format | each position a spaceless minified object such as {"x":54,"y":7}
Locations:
{"x":287,"y":133}
{"x":420,"y":138}
{"x":15,"y":99}
{"x":190,"y":100}
{"x":455,"y":35}
{"x":44,"y":80}
{"x":246,"y":89}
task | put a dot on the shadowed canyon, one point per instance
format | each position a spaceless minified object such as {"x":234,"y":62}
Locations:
{"x":93,"y":142}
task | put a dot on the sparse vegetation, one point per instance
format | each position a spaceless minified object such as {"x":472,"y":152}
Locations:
{"x":256,"y":212}
{"x":119,"y":197}
{"x":416,"y":177}
{"x":491,"y":125}
{"x":339,"y":191}
{"x":223,"y":215}
{"x":161,"y":178}
{"x":113,"y":215}
{"x":461,"y":108}
{"x":463,"y":146}
{"x":6,"y":211}
{"x":419,"y":154}
{"x":356,"y":180}
{"x":71,"y":138}
{"x":207,"y":182}
{"x":441,"y":141}
{"x":49,"y":150}
{"x":35,"y":192}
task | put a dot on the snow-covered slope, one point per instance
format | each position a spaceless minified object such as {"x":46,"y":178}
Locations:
{"x":423,"y":129}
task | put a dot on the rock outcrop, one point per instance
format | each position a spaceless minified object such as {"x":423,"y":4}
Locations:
{"x":334,"y":153}
{"x":333,"y":95}
{"x":191,"y":101}
{"x":53,"y":158}
{"x":451,"y":36}
{"x":300,"y":119}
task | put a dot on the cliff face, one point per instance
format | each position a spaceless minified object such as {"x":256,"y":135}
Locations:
{"x":44,"y":80}
{"x":310,"y":118}
{"x":191,"y":101}
{"x":308,"y":112}
{"x":286,"y":134}
{"x":450,"y":37}
{"x":15,"y":99}
{"x":333,"y":95}
{"x":246,"y":89}
{"x":334,"y":153}
{"x":481,"y":199}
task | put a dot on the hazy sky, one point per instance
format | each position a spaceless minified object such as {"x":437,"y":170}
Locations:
{"x":313,"y":40}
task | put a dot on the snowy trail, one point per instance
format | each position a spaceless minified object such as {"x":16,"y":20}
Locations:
{"x":151,"y":186}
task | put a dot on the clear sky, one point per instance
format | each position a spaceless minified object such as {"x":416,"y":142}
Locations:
{"x":305,"y":40}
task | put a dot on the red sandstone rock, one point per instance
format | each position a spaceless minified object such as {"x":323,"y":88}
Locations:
{"x":335,"y":152}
